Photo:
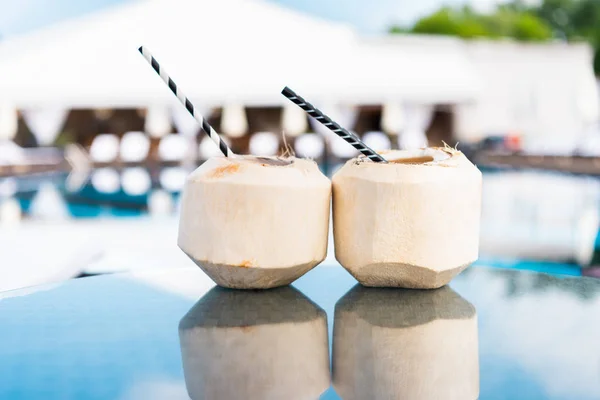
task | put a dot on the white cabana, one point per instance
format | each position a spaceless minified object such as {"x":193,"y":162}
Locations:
{"x":545,"y":92}
{"x":219,"y":56}
{"x":242,"y":58}
{"x":408,"y":69}
{"x":205,"y":45}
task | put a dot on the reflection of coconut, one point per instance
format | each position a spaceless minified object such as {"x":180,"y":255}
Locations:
{"x":255,"y":345}
{"x":413,"y":222}
{"x":254,"y":222}
{"x":405,"y":344}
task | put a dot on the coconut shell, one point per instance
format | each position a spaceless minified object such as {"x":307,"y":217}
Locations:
{"x":255,"y":345}
{"x":405,"y":344}
{"x":412,"y":223}
{"x":254,"y":222}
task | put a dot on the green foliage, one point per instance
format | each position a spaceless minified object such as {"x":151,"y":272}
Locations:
{"x":528,"y":27}
{"x":574,"y":20}
{"x":561,"y":19}
{"x":508,"y":21}
{"x":557,"y":14}
{"x":585,"y":19}
{"x":398,"y":29}
{"x":450,"y":22}
{"x":441,"y":22}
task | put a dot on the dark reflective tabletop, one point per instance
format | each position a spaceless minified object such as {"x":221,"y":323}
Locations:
{"x":504,"y":334}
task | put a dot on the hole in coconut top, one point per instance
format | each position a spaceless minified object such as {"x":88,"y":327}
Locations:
{"x":271,"y":161}
{"x":420,"y":156}
{"x":412,"y":160}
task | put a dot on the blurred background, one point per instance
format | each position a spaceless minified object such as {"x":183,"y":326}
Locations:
{"x":94,"y":149}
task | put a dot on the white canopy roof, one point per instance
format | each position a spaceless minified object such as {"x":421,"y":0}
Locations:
{"x":218,"y":52}
{"x":413,"y":68}
{"x":545,"y":92}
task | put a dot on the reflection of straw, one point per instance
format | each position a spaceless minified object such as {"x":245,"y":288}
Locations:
{"x":186,"y":102}
{"x":332,"y":125}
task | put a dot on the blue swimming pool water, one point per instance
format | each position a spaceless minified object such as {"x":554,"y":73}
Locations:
{"x":513,"y":204}
{"x":89,"y":200}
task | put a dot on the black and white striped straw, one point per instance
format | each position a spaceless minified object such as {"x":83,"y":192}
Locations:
{"x":332,"y":125}
{"x":209,"y":130}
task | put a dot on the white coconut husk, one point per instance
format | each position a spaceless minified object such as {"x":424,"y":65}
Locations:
{"x":255,"y":345}
{"x":413,"y":222}
{"x":254,"y":222}
{"x":405,"y":344}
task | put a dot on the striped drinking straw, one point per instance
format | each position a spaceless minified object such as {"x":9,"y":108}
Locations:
{"x":209,"y":130}
{"x":332,"y":125}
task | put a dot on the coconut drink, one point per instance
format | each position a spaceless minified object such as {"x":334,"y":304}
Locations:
{"x":409,"y":219}
{"x":255,"y":345}
{"x":412,"y":222}
{"x":250,"y":222}
{"x":405,"y":344}
{"x":255,"y":222}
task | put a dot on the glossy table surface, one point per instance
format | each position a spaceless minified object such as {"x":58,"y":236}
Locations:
{"x":512,"y":334}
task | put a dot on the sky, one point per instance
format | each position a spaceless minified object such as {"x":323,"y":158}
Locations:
{"x":373,"y":16}
{"x":21,"y":16}
{"x":368,"y":16}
